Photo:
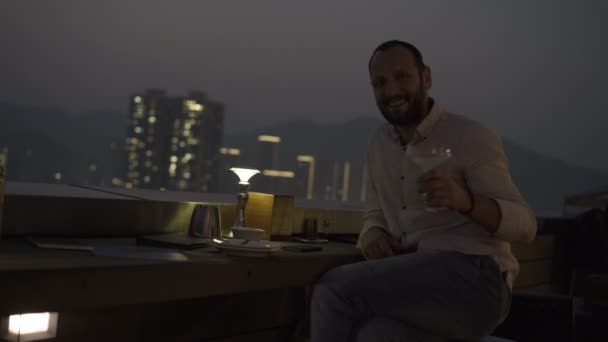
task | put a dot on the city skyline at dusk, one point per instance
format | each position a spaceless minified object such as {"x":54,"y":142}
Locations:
{"x":533,"y":72}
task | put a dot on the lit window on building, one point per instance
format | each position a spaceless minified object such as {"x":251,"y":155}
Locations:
{"x":174,"y":140}
{"x":187,"y":157}
{"x":138,"y":130}
{"x":152,"y":119}
{"x":269,"y":138}
{"x":134,"y":141}
{"x":147,"y":179}
{"x":92,"y":167}
{"x":278,"y":173}
{"x":149,"y":153}
{"x":230,"y":151}
{"x":173,"y":159}
{"x":58,"y":176}
{"x":187,"y":175}
{"x":129,"y":185}
{"x":193,"y":106}
{"x":182,"y":144}
{"x":137,"y":99}
{"x":173,"y":148}
{"x":192,"y":141}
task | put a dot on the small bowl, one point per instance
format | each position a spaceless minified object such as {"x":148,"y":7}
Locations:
{"x":246,"y":233}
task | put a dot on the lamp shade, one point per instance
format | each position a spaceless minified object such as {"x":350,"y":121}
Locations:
{"x":244,"y":174}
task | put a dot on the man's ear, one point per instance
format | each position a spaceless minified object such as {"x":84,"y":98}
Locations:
{"x":427,"y":77}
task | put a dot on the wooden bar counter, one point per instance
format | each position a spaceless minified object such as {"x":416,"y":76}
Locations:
{"x":211,"y":291}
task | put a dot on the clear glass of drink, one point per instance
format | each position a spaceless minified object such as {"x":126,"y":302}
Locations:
{"x":428,"y":158}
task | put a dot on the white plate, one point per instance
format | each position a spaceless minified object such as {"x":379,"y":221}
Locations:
{"x":246,"y":247}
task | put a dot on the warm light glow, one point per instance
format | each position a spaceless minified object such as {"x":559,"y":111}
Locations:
{"x":173,"y":159}
{"x":58,"y":176}
{"x":147,"y":179}
{"x":307,"y":159}
{"x":137,"y":99}
{"x":92,"y":167}
{"x":29,"y":323}
{"x":116,"y":181}
{"x":311,"y":173}
{"x":138,"y":130}
{"x":269,"y":138}
{"x":230,"y":151}
{"x":244,"y":174}
{"x":345,"y":181}
{"x":278,"y":173}
{"x":152,"y":119}
{"x":192,"y":106}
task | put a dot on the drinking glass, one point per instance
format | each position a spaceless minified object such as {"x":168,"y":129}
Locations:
{"x":428,"y":158}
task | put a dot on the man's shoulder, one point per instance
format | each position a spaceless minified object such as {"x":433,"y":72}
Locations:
{"x":467,"y":126}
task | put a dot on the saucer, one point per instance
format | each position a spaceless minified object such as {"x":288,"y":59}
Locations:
{"x":250,"y":248}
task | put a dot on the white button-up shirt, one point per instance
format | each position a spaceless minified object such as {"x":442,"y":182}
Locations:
{"x":478,"y":162}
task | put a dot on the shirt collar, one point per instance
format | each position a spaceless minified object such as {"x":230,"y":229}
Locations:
{"x":423,"y":129}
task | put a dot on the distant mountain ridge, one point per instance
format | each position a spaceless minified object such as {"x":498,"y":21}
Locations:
{"x":56,"y":139}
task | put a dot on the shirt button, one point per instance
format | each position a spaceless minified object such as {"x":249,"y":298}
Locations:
{"x":404,"y":207}
{"x":402,"y":177}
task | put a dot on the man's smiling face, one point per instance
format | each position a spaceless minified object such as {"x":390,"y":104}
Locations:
{"x":400,"y":87}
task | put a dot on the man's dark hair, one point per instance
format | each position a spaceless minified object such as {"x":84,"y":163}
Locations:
{"x":392,"y":43}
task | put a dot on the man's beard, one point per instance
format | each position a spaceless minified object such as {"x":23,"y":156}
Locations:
{"x":413,"y":114}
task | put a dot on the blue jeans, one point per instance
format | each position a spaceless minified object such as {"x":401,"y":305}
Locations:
{"x":422,"y":296}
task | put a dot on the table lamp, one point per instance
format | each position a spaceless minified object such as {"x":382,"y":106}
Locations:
{"x":242,"y":196}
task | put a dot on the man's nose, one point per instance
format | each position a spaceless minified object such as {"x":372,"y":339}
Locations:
{"x":391,"y":89}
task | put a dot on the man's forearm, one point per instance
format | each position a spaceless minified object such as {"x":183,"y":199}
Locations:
{"x":486,"y":212}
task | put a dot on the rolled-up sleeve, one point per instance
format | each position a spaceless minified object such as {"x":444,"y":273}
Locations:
{"x":488,"y":174}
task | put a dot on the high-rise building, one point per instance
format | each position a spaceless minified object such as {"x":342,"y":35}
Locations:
{"x":268,"y":152}
{"x":173,"y":142}
{"x":229,"y":158}
{"x":280,"y":182}
{"x":305,"y":176}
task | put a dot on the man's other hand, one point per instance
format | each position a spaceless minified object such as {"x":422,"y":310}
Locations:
{"x":376,"y":244}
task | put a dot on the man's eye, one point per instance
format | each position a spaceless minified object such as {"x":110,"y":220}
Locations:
{"x":377,"y":83}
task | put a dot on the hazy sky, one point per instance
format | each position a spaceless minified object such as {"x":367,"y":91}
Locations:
{"x":535,"y":71}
